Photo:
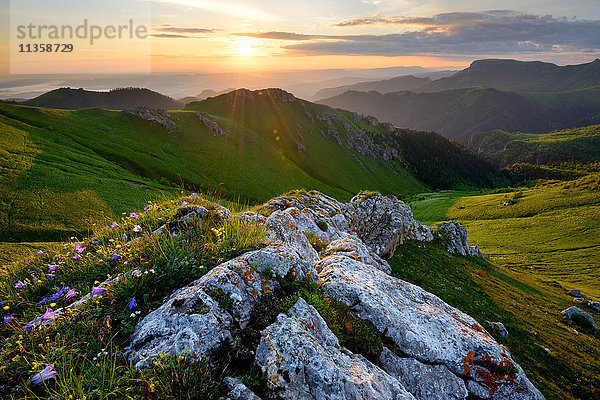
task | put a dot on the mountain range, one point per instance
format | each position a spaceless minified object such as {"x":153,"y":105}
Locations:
{"x":458,"y":113}
{"x":510,"y":95}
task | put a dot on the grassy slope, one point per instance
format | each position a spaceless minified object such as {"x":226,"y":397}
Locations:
{"x":540,"y":247}
{"x":62,"y":170}
{"x":505,"y":148}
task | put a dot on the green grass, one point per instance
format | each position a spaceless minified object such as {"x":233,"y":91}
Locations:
{"x":526,"y":303}
{"x":64,"y":170}
{"x":429,"y":208}
{"x":550,"y":231}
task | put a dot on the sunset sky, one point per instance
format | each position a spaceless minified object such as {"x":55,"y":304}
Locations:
{"x":226,"y":36}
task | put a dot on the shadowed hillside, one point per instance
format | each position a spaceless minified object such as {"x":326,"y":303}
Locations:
{"x":117,"y":99}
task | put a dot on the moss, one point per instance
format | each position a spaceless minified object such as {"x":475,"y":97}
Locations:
{"x":221,"y":297}
{"x":316,"y":242}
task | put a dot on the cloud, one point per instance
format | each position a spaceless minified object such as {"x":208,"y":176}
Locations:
{"x":175,"y":29}
{"x":282,"y":36}
{"x":173,"y":36}
{"x":481,"y":33}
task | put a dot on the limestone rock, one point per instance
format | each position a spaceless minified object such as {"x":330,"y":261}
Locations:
{"x":421,"y":324}
{"x":499,"y":326}
{"x":303,"y":360}
{"x":350,"y":246}
{"x":382,"y":223}
{"x":282,"y":228}
{"x":239,"y":391}
{"x":457,"y":239}
{"x":425,"y":382}
{"x":571,"y":311}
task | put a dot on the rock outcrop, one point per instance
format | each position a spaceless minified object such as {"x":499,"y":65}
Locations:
{"x":456,"y":236}
{"x":159,"y":116}
{"x":439,"y":351}
{"x":303,"y":360}
{"x":573,"y":312}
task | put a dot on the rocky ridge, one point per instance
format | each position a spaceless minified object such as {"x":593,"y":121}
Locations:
{"x":434,"y":350}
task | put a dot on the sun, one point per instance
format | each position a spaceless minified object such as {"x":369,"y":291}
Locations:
{"x":244,"y":46}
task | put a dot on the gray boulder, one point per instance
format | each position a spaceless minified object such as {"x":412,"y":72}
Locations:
{"x":572,"y":311}
{"x":381,"y":222}
{"x":314,"y":200}
{"x":304,"y":361}
{"x":456,"y":236}
{"x":499,"y":327}
{"x":425,"y":382}
{"x":576,"y":293}
{"x":422,"y":325}
{"x":239,"y":391}
{"x":594,"y":304}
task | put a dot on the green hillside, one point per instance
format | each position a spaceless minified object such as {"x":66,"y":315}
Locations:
{"x":567,"y":145}
{"x":63,"y":170}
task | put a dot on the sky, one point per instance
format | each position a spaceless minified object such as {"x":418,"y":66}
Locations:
{"x":211,"y":36}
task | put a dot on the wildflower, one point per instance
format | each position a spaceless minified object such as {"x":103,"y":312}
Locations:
{"x":132,"y":315}
{"x":50,"y":276}
{"x":3,"y":303}
{"x":19,"y":285}
{"x":96,"y":241}
{"x":79,"y":248}
{"x":132,"y":304}
{"x":52,"y":268}
{"x":40,"y":252}
{"x":41,"y":301}
{"x":134,"y":215}
{"x":97,"y":290}
{"x":47,"y":373}
{"x":114,"y":225}
{"x":52,"y":305}
{"x":146,"y":208}
{"x":185,"y":203}
{"x":136,"y":272}
{"x":6,"y":308}
{"x":70,"y":294}
{"x":124,"y":237}
{"x":8,"y":318}
{"x":137,"y":228}
{"x":49,"y":314}
{"x":152,"y":271}
{"x":115,"y":257}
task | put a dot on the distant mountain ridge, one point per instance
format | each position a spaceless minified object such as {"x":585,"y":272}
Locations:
{"x":407,"y":82}
{"x":458,"y":113}
{"x":524,"y":76}
{"x":116,"y":99}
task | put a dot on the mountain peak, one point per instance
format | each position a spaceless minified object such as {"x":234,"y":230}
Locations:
{"x":276,"y":93}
